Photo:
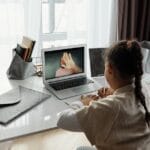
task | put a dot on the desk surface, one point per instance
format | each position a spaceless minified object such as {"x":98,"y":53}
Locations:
{"x":40,"y":118}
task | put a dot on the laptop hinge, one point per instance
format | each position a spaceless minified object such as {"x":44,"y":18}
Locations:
{"x":83,"y":76}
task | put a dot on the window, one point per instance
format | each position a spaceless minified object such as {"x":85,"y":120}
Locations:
{"x":63,"y":22}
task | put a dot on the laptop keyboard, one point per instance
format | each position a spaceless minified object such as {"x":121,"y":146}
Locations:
{"x":70,"y":83}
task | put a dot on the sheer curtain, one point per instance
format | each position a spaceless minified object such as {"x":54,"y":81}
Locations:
{"x":102,"y":22}
{"x":12,"y":21}
{"x":74,"y":21}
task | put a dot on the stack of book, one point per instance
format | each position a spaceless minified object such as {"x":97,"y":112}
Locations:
{"x":25,"y":49}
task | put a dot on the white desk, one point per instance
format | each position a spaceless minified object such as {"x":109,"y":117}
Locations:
{"x":40,"y":118}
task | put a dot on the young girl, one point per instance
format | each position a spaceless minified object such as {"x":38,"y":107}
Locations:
{"x":117,"y":118}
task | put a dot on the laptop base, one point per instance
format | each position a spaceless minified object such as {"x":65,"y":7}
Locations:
{"x":75,"y":91}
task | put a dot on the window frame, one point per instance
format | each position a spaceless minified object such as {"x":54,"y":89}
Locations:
{"x":53,"y":36}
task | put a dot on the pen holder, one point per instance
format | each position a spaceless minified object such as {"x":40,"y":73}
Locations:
{"x":20,"y":69}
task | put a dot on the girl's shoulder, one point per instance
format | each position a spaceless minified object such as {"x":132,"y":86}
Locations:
{"x":111,"y":100}
{"x":109,"y":103}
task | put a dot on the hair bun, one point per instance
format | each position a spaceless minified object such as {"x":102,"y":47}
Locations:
{"x":135,"y":49}
{"x":133,"y":44}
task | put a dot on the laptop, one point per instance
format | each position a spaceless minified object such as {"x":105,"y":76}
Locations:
{"x":65,"y":71}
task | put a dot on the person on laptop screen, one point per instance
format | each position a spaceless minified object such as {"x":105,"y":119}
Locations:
{"x":67,"y":66}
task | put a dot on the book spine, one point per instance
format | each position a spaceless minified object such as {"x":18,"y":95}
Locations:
{"x":31,"y":50}
{"x":25,"y":56}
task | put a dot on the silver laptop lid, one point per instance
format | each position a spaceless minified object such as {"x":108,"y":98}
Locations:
{"x":64,"y":62}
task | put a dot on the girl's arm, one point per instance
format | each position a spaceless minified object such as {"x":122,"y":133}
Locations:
{"x":68,"y":119}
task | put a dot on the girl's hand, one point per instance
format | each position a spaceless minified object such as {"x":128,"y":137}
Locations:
{"x":87,"y":100}
{"x":103,"y":92}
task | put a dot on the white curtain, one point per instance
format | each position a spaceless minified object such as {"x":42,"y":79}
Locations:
{"x":102,"y":22}
{"x":12,"y":21}
{"x":74,"y":21}
{"x":18,"y":18}
{"x":32,"y":19}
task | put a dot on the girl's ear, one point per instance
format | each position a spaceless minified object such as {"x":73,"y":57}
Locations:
{"x":110,"y":69}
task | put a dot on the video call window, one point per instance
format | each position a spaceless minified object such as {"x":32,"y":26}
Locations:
{"x":64,"y":62}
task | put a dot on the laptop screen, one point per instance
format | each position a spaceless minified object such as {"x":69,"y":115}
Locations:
{"x":97,"y":61}
{"x":65,"y":62}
